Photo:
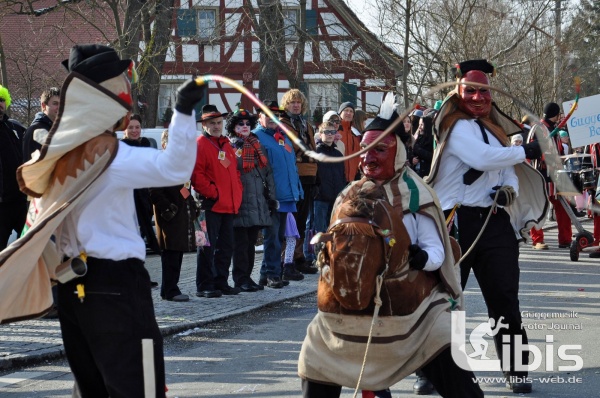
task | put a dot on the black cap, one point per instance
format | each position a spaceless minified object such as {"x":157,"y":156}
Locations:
{"x":96,"y":62}
{"x":551,"y":109}
{"x":482,"y":65}
{"x":380,"y":123}
{"x":210,"y":112}
{"x":272,"y":105}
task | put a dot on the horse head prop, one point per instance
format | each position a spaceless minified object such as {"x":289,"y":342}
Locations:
{"x":367,"y":239}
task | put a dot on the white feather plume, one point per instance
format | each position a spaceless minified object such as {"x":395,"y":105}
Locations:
{"x":388,"y":106}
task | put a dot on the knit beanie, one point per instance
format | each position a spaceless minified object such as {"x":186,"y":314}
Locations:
{"x":551,"y":109}
{"x":346,"y":105}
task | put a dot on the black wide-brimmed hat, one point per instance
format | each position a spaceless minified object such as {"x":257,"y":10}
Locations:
{"x":272,"y":105}
{"x":96,"y":62}
{"x":235,"y":117}
{"x":210,"y":112}
{"x":482,"y":65}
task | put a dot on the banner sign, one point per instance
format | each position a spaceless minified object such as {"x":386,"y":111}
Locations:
{"x":584,"y":124}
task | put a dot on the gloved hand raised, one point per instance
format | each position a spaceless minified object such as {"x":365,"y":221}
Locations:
{"x":188,"y":95}
{"x":417,"y":257}
{"x":532,"y":150}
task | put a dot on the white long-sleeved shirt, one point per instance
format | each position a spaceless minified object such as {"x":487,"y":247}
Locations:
{"x":466,"y":149}
{"x":423,"y":232}
{"x":104,"y":222}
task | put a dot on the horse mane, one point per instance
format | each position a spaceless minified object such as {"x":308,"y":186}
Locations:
{"x":360,"y":206}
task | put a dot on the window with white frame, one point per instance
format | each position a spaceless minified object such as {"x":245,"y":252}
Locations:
{"x":207,"y":23}
{"x":291,"y":18}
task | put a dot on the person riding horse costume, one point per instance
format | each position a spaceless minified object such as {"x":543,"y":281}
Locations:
{"x":376,"y":262}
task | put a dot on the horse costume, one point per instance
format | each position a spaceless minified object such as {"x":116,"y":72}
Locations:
{"x":364,"y":260}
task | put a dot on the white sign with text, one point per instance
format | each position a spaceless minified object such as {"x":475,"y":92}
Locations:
{"x":584,"y":124}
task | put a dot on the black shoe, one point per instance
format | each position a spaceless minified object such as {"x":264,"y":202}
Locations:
{"x":153,"y":284}
{"x":595,"y":254}
{"x":179,"y":298}
{"x":209,"y":293}
{"x":423,"y":386}
{"x":230,"y":291}
{"x":52,"y":314}
{"x":290,"y":273}
{"x":248,"y":288}
{"x":274,"y":282}
{"x":564,"y":245}
{"x":257,"y":285}
{"x":520,"y":385}
{"x":306,"y":268}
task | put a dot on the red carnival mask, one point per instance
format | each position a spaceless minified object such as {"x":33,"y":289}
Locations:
{"x":475,"y":101}
{"x":378,"y":162}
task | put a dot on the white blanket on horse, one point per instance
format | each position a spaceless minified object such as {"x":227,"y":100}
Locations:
{"x":334,"y":347}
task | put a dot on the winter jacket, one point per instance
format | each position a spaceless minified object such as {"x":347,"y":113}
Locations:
{"x":331,"y":176}
{"x":283,"y":163}
{"x":258,"y":186}
{"x":307,"y":166}
{"x":11,"y":157}
{"x":423,"y":149}
{"x":176,"y":233}
{"x":352,"y":144}
{"x":220,"y":187}
{"x":36,"y":135}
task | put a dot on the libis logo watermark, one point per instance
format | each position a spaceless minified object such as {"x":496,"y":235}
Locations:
{"x":478,"y":360}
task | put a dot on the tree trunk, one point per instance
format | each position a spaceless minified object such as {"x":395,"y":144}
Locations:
{"x":150,"y":69}
{"x":271,"y":34}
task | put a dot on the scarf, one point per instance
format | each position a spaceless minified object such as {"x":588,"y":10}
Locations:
{"x":251,"y":151}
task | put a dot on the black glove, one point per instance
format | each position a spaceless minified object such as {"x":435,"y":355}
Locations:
{"x":505,"y":196}
{"x":168,"y":213}
{"x":417,"y":257}
{"x":532,"y":150}
{"x":273,"y":205}
{"x":188,"y":95}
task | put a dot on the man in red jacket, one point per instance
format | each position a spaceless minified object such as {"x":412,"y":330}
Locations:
{"x":217,"y":180}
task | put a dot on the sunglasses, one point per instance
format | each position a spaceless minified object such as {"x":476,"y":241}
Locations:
{"x":241,"y":124}
{"x":330,"y":132}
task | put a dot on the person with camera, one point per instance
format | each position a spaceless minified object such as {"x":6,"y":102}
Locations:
{"x":217,"y":181}
{"x":258,"y":197}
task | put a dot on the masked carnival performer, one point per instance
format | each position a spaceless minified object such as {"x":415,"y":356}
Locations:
{"x":473,"y":165}
{"x":418,"y":290}
{"x":563,"y":222}
{"x":83,"y":180}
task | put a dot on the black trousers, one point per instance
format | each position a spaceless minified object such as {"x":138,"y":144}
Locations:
{"x":171,"y":270}
{"x":449,"y":380}
{"x":495,"y":263}
{"x":244,"y":254}
{"x":103,"y":332}
{"x":12,"y":218}
{"x":212,"y":268}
